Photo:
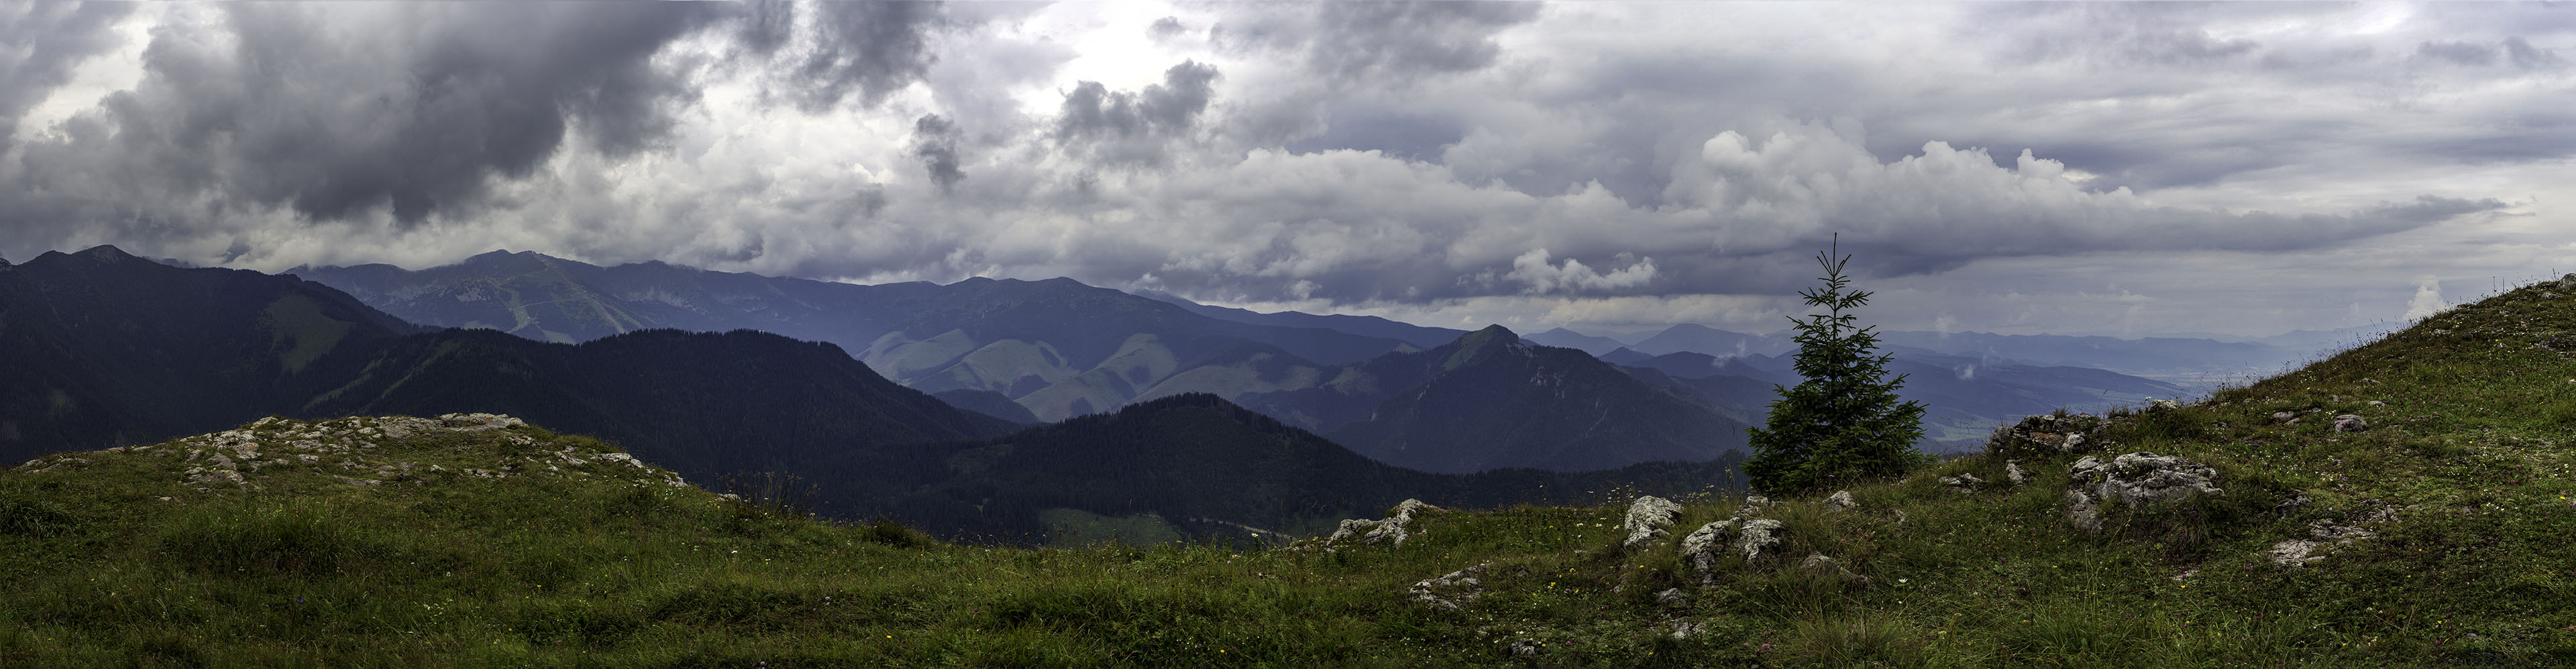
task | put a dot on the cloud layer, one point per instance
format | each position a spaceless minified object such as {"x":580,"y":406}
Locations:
{"x":1589,"y":163}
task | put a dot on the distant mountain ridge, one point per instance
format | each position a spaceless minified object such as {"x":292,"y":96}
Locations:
{"x":125,"y":350}
{"x":1058,"y":348}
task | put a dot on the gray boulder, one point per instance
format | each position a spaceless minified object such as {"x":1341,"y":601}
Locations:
{"x":1648,"y":519}
{"x":1450,"y":591}
{"x":2133,"y":480}
{"x":1842,"y":499}
{"x":1391,"y":530}
{"x":2350,"y":423}
{"x":1965,"y":482}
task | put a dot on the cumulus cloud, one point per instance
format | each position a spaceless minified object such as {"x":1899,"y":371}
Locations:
{"x":2427,"y":301}
{"x":40,"y":42}
{"x":1610,"y":162}
{"x":1532,"y":269}
{"x":1122,"y":127}
{"x":934,"y":141}
{"x":860,"y":50}
{"x":337,"y":110}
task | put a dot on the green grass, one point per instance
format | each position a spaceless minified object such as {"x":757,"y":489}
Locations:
{"x":602,"y":564}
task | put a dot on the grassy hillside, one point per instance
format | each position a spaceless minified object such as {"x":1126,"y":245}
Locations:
{"x":2462,"y":482}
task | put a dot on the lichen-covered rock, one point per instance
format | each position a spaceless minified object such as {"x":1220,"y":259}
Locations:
{"x":1392,"y":530}
{"x":1842,"y":499}
{"x":1964,"y":482}
{"x":2014,"y":472}
{"x":2325,"y":533}
{"x":2350,"y":423}
{"x":1450,"y":591}
{"x":2162,"y":405}
{"x":1760,"y":538}
{"x":1702,"y":548}
{"x":2133,"y":480}
{"x":1648,"y":520}
{"x":2048,"y":434}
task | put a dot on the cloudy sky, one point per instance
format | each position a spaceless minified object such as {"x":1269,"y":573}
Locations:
{"x":2061,"y":167}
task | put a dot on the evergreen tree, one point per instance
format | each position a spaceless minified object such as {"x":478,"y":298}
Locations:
{"x":1844,"y":421}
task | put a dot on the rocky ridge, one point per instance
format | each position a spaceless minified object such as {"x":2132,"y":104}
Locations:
{"x":370,"y":451}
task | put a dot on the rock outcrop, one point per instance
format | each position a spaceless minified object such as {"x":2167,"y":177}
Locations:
{"x":2048,"y":434}
{"x":1758,"y":539}
{"x":1392,"y":530}
{"x":351,"y":451}
{"x":1450,"y":591}
{"x":2327,"y":533}
{"x":1648,"y":520}
{"x":2133,"y":480}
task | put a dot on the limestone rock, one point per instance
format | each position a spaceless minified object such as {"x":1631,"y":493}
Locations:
{"x":1523,"y":648}
{"x":1842,"y":499}
{"x":1392,"y":529}
{"x":1966,"y":482}
{"x":2163,"y":405}
{"x":2048,"y":433}
{"x":2284,"y":416}
{"x":2133,"y":480}
{"x":2013,"y":471}
{"x":1672,"y":597}
{"x":2378,"y":403}
{"x":1683,"y":630}
{"x":1450,"y":591}
{"x":1701,"y":548}
{"x":478,"y":422}
{"x":2350,"y":423}
{"x":1760,"y":538}
{"x":1647,"y":520}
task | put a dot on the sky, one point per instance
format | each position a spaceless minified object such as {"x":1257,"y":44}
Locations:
{"x":2095,"y":168}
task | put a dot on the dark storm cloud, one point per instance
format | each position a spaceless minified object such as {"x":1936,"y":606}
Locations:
{"x":40,"y":42}
{"x":865,"y":50}
{"x":934,"y":142}
{"x":767,"y":25}
{"x":1121,"y":127}
{"x":335,"y":122}
{"x":1378,"y":41}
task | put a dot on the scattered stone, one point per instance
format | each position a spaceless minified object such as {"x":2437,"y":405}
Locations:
{"x":1391,"y":530}
{"x":2369,"y":380}
{"x":1523,"y":648}
{"x":2162,"y":405}
{"x":2284,"y":416}
{"x":1683,"y":630}
{"x":1820,"y":563}
{"x":1842,"y":499}
{"x":1647,"y":520}
{"x":1757,"y":537}
{"x":1966,"y":482}
{"x":1451,"y":591}
{"x":2047,"y":433}
{"x":2134,"y":480}
{"x":1672,"y":597}
{"x":1753,"y":504}
{"x":2350,"y":423}
{"x":2013,"y":471}
{"x":1702,"y":546}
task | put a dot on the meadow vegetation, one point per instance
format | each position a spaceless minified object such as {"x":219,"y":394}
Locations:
{"x":2463,"y":475}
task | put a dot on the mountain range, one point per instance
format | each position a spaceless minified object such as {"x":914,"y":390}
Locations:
{"x":124,"y":350}
{"x":1056,"y":348}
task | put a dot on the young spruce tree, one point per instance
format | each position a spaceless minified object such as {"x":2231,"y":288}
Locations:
{"x":1844,"y":421}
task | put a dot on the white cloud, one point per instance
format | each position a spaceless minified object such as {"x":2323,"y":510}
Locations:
{"x":2427,"y":301}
